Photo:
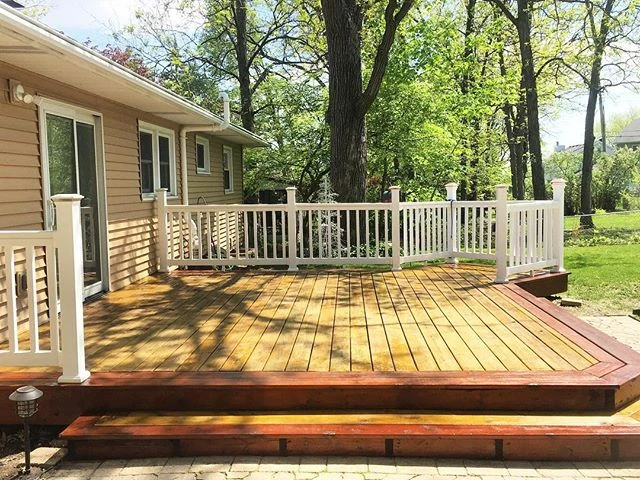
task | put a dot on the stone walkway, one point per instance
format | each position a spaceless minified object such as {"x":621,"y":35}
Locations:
{"x":335,"y":468}
{"x":625,"y":329}
{"x":621,"y":327}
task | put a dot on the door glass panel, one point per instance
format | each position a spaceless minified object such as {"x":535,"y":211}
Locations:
{"x":89,"y":212}
{"x":62,"y":157}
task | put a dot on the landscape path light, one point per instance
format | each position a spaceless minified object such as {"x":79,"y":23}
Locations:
{"x":26,"y":399}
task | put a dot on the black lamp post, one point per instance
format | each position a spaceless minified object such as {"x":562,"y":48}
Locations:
{"x":26,"y":399}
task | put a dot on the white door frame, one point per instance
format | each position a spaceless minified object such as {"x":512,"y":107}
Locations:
{"x":82,"y":115}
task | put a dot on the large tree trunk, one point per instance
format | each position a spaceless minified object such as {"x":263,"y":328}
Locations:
{"x":516,"y":153}
{"x":529,"y":84}
{"x":466,"y":158}
{"x":343,"y":20}
{"x":515,"y":130}
{"x":594,"y":90}
{"x":244,"y":78}
{"x":587,"y":153}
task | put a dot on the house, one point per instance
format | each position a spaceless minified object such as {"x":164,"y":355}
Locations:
{"x":630,"y":136}
{"x":73,"y":121}
{"x":579,"y":148}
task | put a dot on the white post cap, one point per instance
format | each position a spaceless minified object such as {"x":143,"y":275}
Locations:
{"x":67,"y":197}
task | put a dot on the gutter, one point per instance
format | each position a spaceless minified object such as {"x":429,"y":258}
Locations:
{"x":199,"y":128}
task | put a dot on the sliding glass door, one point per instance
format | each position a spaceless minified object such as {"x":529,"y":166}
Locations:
{"x":72,"y":168}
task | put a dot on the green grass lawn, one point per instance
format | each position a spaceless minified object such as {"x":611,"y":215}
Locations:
{"x":606,"y":278}
{"x":627,"y":221}
{"x":604,"y":263}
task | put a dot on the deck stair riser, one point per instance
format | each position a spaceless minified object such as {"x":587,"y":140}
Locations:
{"x":308,"y":391}
{"x":529,"y":436}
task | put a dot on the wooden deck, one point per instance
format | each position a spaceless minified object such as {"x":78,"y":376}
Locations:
{"x":429,"y":319}
{"x":429,"y":361}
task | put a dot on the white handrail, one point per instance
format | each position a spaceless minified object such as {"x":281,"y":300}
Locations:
{"x":519,"y":236}
{"x":45,"y":262}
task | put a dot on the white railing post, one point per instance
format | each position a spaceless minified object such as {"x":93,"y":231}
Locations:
{"x":558,"y":224}
{"x":452,"y":232}
{"x":163,"y":243}
{"x":395,"y":228}
{"x":68,"y":241}
{"x":501,"y":233}
{"x":291,"y":228}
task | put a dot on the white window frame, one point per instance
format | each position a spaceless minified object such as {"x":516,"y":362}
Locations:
{"x":207,"y":156}
{"x":156,"y":133}
{"x":226,"y":149}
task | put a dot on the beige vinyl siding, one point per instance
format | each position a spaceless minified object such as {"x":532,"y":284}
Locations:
{"x":211,"y":186}
{"x":20,"y":194}
{"x":131,"y":221}
{"x":20,"y":173}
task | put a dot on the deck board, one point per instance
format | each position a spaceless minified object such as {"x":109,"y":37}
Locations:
{"x":427,"y":319}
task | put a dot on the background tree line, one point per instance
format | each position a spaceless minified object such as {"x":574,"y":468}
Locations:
{"x":408,"y":92}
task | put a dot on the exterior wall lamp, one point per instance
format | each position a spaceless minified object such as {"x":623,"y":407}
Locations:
{"x":18,"y":93}
{"x":26,"y":400}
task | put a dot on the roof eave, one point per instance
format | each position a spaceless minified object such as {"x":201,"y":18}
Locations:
{"x":53,"y":38}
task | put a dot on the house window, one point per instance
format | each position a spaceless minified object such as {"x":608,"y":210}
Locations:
{"x":157,"y":160}
{"x":146,"y":162}
{"x":227,"y":166}
{"x":203,"y":161}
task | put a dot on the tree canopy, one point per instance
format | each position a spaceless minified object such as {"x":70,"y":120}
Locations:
{"x":371,"y":94}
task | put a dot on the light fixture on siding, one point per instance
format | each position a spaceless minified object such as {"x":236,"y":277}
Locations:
{"x":18,"y":93}
{"x":26,"y":400}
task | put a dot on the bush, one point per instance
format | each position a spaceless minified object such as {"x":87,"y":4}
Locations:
{"x":567,"y":165}
{"x":616,"y":179}
{"x":613,"y":176}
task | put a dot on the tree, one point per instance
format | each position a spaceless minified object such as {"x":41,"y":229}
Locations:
{"x":604,"y":26}
{"x":348,"y":101}
{"x":419,"y":127}
{"x":521,"y":20}
{"x":127,"y":58}
{"x":613,"y":177}
{"x":241,"y":44}
{"x":294,"y":126}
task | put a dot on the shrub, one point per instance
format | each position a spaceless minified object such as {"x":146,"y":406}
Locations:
{"x":613,"y":176}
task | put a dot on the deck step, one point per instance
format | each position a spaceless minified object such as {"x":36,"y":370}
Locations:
{"x":544,"y":285}
{"x":513,"y":436}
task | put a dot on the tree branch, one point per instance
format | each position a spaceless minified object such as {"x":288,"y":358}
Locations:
{"x":392,"y":20}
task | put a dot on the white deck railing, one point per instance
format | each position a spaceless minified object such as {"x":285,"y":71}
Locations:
{"x":519,"y":236}
{"x":44,"y":318}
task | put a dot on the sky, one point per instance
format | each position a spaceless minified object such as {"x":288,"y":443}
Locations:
{"x":96,"y":19}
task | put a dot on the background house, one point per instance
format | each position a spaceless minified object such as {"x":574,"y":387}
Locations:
{"x":630,"y":135}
